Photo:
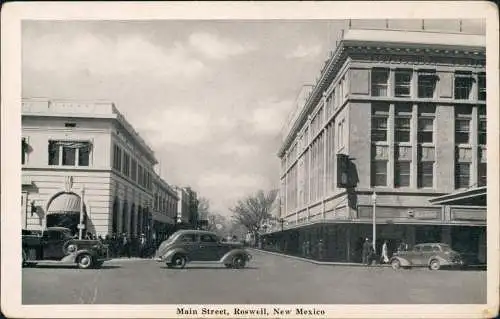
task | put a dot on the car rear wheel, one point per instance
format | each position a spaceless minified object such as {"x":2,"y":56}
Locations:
{"x":179,"y":261}
{"x":395,"y":264}
{"x":84,"y":261}
{"x":238,"y":262}
{"x":434,"y":264}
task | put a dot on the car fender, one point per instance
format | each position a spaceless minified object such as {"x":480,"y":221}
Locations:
{"x":441,"y":260}
{"x":402,"y":261}
{"x":228,"y":257}
{"x":167,"y":257}
{"x":73,"y":257}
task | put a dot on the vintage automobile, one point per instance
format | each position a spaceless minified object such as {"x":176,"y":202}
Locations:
{"x":56,"y":245}
{"x":200,"y":246}
{"x":431,"y":255}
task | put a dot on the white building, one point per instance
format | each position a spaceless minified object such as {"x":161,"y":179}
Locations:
{"x":70,"y":146}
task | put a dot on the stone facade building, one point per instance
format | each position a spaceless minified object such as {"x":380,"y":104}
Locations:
{"x":401,"y":114}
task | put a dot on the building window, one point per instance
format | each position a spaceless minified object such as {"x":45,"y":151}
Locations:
{"x":481,"y":138}
{"x":24,"y":150}
{"x":462,"y":175}
{"x":481,"y":171}
{"x":425,"y":174}
{"x":426,"y":84}
{"x":133,"y":170}
{"x":402,"y":174}
{"x":462,"y":130}
{"x":403,"y":83}
{"x":463,"y":85}
{"x":481,"y":87}
{"x":379,"y":129}
{"x":403,"y":122}
{"x":380,"y":79}
{"x":70,"y":151}
{"x":379,"y":173}
{"x":140,"y":175}
{"x":126,"y":164}
{"x":117,"y":158}
{"x":425,"y":130}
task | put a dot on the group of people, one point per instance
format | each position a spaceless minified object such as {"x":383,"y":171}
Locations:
{"x":369,"y":254}
{"x":129,"y":246}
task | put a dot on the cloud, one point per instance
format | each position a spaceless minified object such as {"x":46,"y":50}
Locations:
{"x":304,"y":52}
{"x":216,"y":48}
{"x":126,"y":55}
{"x":175,"y":125}
{"x":239,"y":148}
{"x":267,"y":118}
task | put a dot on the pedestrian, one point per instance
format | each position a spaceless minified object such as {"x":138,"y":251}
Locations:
{"x":308,"y":248}
{"x":304,"y":248}
{"x":142,"y":246}
{"x":385,"y":253}
{"x":321,"y":247}
{"x":125,"y":245}
{"x":366,"y":251}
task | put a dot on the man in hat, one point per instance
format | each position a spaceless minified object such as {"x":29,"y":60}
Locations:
{"x":366,"y":251}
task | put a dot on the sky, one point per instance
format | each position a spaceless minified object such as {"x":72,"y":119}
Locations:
{"x":210,"y":97}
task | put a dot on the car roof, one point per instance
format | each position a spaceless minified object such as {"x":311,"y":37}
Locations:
{"x":194,"y":231}
{"x":431,"y":244}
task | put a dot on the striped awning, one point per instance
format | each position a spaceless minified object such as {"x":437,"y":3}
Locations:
{"x":64,"y":204}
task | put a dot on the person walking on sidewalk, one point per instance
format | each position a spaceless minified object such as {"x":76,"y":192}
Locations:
{"x":142,"y":246}
{"x":321,"y":247}
{"x":366,"y":252}
{"x":385,"y":253}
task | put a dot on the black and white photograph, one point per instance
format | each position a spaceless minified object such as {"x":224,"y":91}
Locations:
{"x":250,"y":160}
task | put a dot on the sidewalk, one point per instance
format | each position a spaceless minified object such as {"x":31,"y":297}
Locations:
{"x":326,"y":263}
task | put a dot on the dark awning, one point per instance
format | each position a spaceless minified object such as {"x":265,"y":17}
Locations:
{"x":469,"y":197}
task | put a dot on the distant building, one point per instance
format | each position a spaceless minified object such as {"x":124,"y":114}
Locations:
{"x":70,"y":146}
{"x":187,"y":208}
{"x":398,"y":113}
{"x":164,"y":208}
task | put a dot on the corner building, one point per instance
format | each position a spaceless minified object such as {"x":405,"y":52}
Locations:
{"x":408,"y":108}
{"x":69,"y":146}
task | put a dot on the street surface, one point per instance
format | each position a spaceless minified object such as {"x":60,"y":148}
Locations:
{"x":269,"y":279}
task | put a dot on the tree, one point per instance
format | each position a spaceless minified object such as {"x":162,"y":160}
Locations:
{"x":203,"y":208}
{"x":254,"y":209}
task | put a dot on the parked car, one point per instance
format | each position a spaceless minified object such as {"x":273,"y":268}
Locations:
{"x":186,"y":246}
{"x":431,"y":255}
{"x":56,"y":245}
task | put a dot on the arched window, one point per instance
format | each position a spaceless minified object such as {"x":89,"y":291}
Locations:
{"x":114,"y":217}
{"x":140,"y":224}
{"x":124,"y":217}
{"x":132,"y":212}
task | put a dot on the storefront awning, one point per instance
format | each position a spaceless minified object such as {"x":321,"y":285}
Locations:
{"x":65,"y":203}
{"x":159,"y":217}
{"x":470,"y":197}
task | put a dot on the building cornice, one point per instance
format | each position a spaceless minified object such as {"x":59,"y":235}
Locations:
{"x":412,"y":53}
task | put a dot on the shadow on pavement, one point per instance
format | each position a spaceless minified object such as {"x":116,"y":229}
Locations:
{"x":73,"y":267}
{"x":470,"y":268}
{"x":207,"y":267}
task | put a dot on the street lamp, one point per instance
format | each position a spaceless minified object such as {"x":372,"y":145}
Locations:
{"x":374,"y":219}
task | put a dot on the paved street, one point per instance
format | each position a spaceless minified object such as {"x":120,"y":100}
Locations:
{"x":269,"y":279}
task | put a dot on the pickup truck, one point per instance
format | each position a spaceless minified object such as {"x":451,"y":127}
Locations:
{"x":56,"y":245}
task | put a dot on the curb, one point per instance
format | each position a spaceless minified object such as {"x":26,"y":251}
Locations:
{"x":324,"y":263}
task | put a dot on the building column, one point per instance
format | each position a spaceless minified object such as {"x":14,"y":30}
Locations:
{"x":348,"y":241}
{"x":390,"y":140}
{"x":414,"y":146}
{"x":475,"y":151}
{"x":325,"y":148}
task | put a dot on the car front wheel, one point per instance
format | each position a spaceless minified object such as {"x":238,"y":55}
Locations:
{"x":179,"y":261}
{"x":84,"y":261}
{"x":434,"y":264}
{"x":395,"y":264}
{"x":238,"y":262}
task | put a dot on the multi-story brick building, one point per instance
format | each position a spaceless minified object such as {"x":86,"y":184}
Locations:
{"x":404,"y":114}
{"x":70,"y":146}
